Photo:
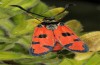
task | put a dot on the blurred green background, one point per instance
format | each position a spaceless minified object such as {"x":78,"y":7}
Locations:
{"x":17,"y":27}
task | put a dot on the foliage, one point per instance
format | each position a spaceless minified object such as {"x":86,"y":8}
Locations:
{"x":16,"y":29}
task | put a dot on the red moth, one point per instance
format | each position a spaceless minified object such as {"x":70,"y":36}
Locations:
{"x":52,"y":35}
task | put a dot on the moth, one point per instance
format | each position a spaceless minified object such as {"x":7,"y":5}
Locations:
{"x":52,"y":35}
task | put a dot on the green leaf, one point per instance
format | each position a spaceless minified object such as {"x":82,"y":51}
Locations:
{"x":6,"y":46}
{"x":29,"y":3}
{"x":26,"y":61}
{"x":71,"y":62}
{"x":24,"y":3}
{"x":40,"y":8}
{"x":7,"y":3}
{"x":54,"y":61}
{"x":93,"y":40}
{"x":5,"y":55}
{"x":25,"y":41}
{"x":65,"y":62}
{"x":7,"y":11}
{"x":6,"y":24}
{"x":54,"y":12}
{"x":3,"y":39}
{"x":19,"y":48}
{"x":18,"y":19}
{"x":95,"y":60}
{"x":25,"y":27}
{"x":83,"y":56}
{"x":1,"y":32}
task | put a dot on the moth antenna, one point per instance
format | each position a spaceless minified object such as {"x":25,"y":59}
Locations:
{"x":66,"y":7}
{"x":26,"y":10}
{"x":38,"y":19}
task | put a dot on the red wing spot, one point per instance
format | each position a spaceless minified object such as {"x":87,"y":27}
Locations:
{"x":77,"y":39}
{"x":67,"y":45}
{"x":49,"y":47}
{"x":42,"y":36}
{"x":35,"y":42}
{"x":66,"y":34}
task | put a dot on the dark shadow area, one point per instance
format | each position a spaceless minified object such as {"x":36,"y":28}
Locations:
{"x":86,"y":11}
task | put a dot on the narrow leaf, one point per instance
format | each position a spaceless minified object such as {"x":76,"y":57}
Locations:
{"x":4,"y":55}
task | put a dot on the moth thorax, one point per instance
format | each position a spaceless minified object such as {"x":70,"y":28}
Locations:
{"x":51,"y":26}
{"x":49,"y":20}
